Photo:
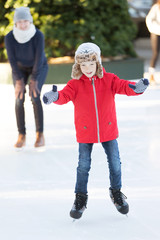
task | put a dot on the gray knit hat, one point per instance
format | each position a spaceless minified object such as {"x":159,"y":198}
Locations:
{"x":87,"y":52}
{"x":22,"y":13}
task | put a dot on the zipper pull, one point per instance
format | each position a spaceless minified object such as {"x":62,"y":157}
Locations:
{"x":92,"y":80}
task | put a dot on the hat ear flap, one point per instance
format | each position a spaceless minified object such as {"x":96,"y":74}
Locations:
{"x":99,"y":72}
{"x":76,"y":71}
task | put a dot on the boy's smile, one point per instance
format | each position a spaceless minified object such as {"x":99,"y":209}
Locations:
{"x":88,"y":68}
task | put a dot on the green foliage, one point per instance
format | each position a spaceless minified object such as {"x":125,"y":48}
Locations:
{"x":68,"y":23}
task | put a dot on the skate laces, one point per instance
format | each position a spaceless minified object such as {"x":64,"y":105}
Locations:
{"x":119,"y":197}
{"x":80,"y":201}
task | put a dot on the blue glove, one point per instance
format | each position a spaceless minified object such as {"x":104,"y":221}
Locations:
{"x":140,"y":86}
{"x":51,"y":96}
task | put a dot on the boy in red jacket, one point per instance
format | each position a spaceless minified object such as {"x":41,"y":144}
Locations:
{"x":92,"y":91}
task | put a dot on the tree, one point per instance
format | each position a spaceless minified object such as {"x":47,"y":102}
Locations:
{"x":68,"y":23}
{"x":3,"y":24}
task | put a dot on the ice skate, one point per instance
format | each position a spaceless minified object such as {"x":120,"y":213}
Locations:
{"x":79,"y":205}
{"x":39,"y":140}
{"x":152,"y":80}
{"x":21,"y":141}
{"x":118,"y":199}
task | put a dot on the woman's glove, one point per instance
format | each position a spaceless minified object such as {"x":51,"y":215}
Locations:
{"x":140,"y":86}
{"x":19,"y":89}
{"x":51,"y":96}
{"x":33,"y":88}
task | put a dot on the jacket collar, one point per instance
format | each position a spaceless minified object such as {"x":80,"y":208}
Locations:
{"x":85,"y":78}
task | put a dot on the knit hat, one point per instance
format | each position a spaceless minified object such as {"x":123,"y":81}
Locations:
{"x":87,"y":52}
{"x":22,"y":13}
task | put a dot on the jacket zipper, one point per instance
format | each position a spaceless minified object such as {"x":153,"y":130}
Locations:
{"x":95,"y":101}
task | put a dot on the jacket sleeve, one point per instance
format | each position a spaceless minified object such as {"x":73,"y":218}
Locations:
{"x":9,"y":44}
{"x":151,"y":21}
{"x":121,"y":86}
{"x":39,"y":55}
{"x":67,"y":94}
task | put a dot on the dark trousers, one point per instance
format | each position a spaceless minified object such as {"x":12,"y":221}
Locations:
{"x":36,"y":101}
{"x":155,"y":44}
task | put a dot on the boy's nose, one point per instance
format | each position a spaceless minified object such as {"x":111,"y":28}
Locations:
{"x":87,"y":66}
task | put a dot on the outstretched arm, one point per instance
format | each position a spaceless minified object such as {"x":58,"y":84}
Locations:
{"x":129,"y":88}
{"x":68,"y":93}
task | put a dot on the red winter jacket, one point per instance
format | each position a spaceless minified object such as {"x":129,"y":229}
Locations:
{"x":94,"y":106}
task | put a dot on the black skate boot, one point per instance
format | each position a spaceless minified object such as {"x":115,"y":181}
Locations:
{"x":79,"y":205}
{"x":118,"y":199}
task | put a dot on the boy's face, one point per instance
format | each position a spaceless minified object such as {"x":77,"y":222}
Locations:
{"x":88,"y":68}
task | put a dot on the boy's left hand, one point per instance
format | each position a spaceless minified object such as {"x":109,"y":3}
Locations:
{"x":140,"y":86}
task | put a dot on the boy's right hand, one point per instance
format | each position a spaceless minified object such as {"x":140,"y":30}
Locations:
{"x":51,"y":96}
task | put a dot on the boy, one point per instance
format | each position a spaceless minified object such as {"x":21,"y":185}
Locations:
{"x":92,"y":91}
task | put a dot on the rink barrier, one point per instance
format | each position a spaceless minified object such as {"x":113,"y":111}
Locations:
{"x":131,"y":68}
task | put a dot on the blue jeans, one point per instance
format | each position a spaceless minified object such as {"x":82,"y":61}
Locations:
{"x":84,"y":165}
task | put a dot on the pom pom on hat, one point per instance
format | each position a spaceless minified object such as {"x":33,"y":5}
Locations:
{"x":87,"y":52}
{"x":22,"y":13}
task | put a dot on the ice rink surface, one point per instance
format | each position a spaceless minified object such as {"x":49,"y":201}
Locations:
{"x":37,"y":186}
